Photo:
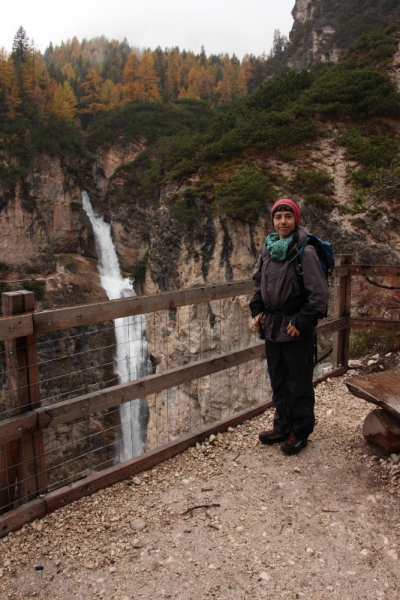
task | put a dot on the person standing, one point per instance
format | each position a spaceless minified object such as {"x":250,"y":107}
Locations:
{"x":286,"y":305}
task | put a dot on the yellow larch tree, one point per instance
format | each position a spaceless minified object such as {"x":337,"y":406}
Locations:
{"x":173,"y":73}
{"x":68,"y":71}
{"x":64,"y":102}
{"x":129,"y":79}
{"x":90,"y":99}
{"x":147,"y":79}
{"x":10,"y":99}
{"x":109,"y":94}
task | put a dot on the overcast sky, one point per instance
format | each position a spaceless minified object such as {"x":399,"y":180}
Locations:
{"x":232,"y":26}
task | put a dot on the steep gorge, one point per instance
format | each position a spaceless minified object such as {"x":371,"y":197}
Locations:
{"x":47,"y":235}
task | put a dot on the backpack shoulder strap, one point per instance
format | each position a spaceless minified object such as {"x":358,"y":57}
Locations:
{"x":298,"y":260}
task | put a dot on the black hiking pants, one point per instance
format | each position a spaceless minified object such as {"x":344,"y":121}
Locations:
{"x":290,"y":366}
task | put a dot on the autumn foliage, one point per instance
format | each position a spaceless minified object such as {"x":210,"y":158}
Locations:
{"x":89,"y":77}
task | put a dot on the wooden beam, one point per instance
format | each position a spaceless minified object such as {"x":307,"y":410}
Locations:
{"x":16,"y":326}
{"x":83,"y":406}
{"x":105,"y":311}
{"x":10,"y":452}
{"x":368,"y":323}
{"x":375,"y":270}
{"x":334,"y":373}
{"x":18,"y":517}
{"x":32,"y":449}
{"x":15,"y":427}
{"x":75,"y":408}
{"x":340,"y":271}
{"x":84,"y":487}
{"x":22,"y":462}
{"x":381,"y":389}
{"x":332,"y":326}
{"x":341,"y":306}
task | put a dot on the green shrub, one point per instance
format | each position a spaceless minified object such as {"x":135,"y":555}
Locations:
{"x":38,"y":287}
{"x":312,"y":182}
{"x":243,"y":196}
{"x":148,"y":120}
{"x":375,"y":213}
{"x":375,"y":151}
{"x":376,"y":47}
{"x":4,"y":287}
{"x":358,"y":223}
{"x":139,"y":272}
{"x":359,"y":93}
{"x":286,"y":155}
{"x":190,"y":205}
{"x":319,"y":201}
{"x":366,"y":342}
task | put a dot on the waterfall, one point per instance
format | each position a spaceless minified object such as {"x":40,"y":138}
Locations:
{"x":131,"y":357}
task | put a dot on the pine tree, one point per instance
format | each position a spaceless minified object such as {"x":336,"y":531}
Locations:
{"x":20,"y":48}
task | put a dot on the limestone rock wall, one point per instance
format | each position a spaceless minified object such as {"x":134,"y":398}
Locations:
{"x":324,"y":29}
{"x":42,"y":220}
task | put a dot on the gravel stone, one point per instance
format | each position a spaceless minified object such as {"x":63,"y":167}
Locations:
{"x":242,"y":521}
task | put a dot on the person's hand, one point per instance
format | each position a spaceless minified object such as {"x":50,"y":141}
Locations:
{"x":292,"y":330}
{"x":259,"y":320}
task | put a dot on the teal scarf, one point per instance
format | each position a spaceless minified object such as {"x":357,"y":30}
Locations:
{"x":278,"y":248}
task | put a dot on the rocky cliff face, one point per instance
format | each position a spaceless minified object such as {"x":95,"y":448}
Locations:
{"x":46,"y":235}
{"x":324,"y":29}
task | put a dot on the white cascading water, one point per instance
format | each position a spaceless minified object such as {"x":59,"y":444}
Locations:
{"x":131,"y":358}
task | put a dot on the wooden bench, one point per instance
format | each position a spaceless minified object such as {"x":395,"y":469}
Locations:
{"x":381,"y":426}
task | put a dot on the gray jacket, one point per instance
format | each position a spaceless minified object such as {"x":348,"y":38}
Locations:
{"x":286,"y":296}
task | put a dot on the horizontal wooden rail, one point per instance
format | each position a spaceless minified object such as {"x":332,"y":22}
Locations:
{"x":16,"y":326}
{"x":15,"y":519}
{"x":15,"y":427}
{"x":377,"y":270}
{"x":362,"y":270}
{"x":368,"y":323}
{"x":76,"y":316}
{"x":85,"y":405}
{"x":332,"y":326}
{"x":39,"y":418}
{"x":76,"y":408}
{"x":65,"y":318}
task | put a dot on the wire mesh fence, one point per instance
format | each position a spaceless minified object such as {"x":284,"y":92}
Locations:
{"x":86,"y":359}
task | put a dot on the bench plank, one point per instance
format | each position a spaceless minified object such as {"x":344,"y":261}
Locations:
{"x":382,"y":389}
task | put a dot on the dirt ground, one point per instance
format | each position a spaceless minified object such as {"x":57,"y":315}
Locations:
{"x":229,"y":520}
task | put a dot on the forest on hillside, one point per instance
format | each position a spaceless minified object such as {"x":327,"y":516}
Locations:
{"x":78,"y":78}
{"x":198,"y":114}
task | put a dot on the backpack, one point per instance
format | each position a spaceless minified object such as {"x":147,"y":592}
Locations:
{"x":326,"y":257}
{"x":324,"y":251}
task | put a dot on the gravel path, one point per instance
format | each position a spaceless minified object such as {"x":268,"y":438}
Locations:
{"x":230,"y":519}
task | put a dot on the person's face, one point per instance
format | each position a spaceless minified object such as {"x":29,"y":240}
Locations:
{"x":284,"y":223}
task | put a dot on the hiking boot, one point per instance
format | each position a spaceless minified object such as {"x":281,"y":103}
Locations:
{"x":293,"y":444}
{"x":271,"y":437}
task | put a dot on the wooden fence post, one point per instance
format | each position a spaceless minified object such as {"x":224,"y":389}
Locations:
{"x":22,"y":462}
{"x":341,"y":308}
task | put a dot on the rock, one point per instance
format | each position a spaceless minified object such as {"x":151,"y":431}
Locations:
{"x":355,"y":364}
{"x":382,"y":429}
{"x":138,"y":524}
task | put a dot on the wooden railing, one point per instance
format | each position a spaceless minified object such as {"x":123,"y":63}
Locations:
{"x":22,"y":467}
